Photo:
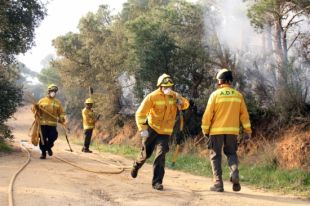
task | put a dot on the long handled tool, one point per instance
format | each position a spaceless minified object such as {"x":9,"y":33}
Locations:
{"x":177,"y":149}
{"x":51,"y":115}
{"x":63,"y":126}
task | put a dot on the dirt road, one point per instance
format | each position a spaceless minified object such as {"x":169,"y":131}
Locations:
{"x":52,"y":182}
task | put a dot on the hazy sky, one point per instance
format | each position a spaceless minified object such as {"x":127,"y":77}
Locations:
{"x":62,"y":16}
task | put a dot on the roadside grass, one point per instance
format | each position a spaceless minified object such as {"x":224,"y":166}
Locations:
{"x":124,"y":150}
{"x":4,"y":147}
{"x":263,"y":176}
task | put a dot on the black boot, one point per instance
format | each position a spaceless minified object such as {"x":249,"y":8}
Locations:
{"x":50,"y":152}
{"x":217,"y":187}
{"x":86,"y":150}
{"x":43,"y":155}
{"x":134,"y":172}
{"x":158,"y":186}
{"x":236,"y":185}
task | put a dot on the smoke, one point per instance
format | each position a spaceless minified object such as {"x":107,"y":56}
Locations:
{"x":232,"y":26}
{"x":128,"y":101}
{"x":227,"y":27}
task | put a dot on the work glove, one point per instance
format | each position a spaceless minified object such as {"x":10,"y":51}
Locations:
{"x":36,"y":107}
{"x":144,"y":133}
{"x":247,"y":137}
{"x":179,"y":102}
{"x":178,"y":99}
{"x":61,"y":120}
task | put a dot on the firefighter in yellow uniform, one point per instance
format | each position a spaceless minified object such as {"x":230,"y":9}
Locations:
{"x":89,"y":121}
{"x":51,"y":112}
{"x":155,"y":119}
{"x":221,"y":124}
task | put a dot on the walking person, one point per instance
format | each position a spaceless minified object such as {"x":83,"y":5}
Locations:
{"x":221,"y":122}
{"x":155,"y":119}
{"x":89,"y":121}
{"x":50,"y":112}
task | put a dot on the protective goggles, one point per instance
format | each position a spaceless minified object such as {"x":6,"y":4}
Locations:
{"x":53,"y":89}
{"x":167,"y":80}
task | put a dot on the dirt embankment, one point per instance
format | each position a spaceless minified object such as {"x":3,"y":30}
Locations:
{"x":294,"y":149}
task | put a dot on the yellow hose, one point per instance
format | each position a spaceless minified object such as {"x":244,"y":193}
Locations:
{"x":11,"y":198}
{"x":121,"y":168}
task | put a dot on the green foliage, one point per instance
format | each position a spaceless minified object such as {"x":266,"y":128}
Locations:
{"x":169,"y":39}
{"x":261,"y":13}
{"x":18,"y":20}
{"x":17,"y":24}
{"x":150,"y":37}
{"x":154,"y":49}
{"x":291,"y":97}
{"x":127,"y":151}
{"x":11,"y":97}
{"x":4,"y":147}
{"x":94,"y":57}
{"x":270,"y":177}
{"x":48,"y":76}
{"x":266,"y":176}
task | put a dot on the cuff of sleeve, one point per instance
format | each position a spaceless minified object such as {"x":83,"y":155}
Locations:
{"x":142,"y":127}
{"x":205,"y":132}
{"x":247,"y":130}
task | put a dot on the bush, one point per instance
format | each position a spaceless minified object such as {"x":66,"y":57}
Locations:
{"x":11,"y":97}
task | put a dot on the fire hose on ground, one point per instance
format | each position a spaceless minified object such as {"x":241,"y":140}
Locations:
{"x":120,"y":168}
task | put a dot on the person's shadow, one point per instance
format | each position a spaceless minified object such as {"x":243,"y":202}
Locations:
{"x":257,"y":197}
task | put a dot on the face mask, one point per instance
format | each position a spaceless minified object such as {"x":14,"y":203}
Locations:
{"x":52,"y":94}
{"x":167,"y":90}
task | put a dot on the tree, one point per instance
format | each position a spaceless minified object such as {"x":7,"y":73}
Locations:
{"x":283,"y":16}
{"x":11,"y":97}
{"x":286,"y":19}
{"x":185,"y":23}
{"x":93,"y":57}
{"x":168,"y":38}
{"x":154,"y":49}
{"x":18,"y":19}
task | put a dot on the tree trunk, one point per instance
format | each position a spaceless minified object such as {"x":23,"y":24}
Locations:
{"x":268,"y":37}
{"x":278,"y":52}
{"x":284,"y":45}
{"x":277,"y":44}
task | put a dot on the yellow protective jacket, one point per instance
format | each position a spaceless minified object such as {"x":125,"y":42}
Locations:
{"x":52,"y":106}
{"x":225,"y":109}
{"x":89,"y":118}
{"x":159,"y":111}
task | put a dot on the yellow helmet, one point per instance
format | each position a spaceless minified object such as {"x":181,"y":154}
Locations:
{"x":165,"y":81}
{"x":52,"y":87}
{"x":224,"y":74}
{"x":89,"y":101}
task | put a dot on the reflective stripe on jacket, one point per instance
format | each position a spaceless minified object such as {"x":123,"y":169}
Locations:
{"x":159,"y":111}
{"x":225,"y":109}
{"x":53,"y":106}
{"x":88,"y":118}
